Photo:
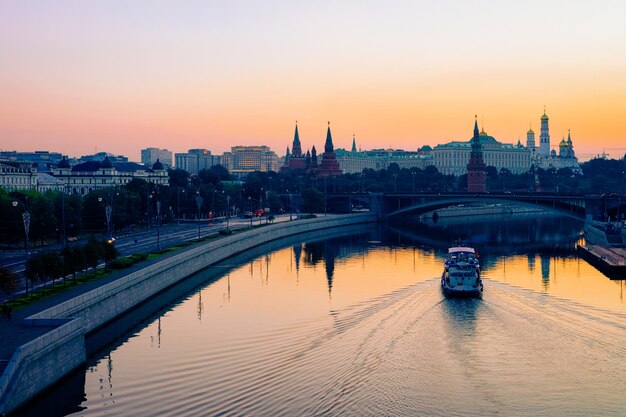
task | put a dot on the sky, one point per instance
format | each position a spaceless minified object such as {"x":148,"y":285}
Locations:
{"x":76,"y":76}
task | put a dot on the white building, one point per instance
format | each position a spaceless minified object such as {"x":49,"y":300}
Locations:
{"x":452,"y":158}
{"x":17,"y":176}
{"x":243,"y":159}
{"x":195,"y":160}
{"x":150,"y":155}
{"x":88,"y":176}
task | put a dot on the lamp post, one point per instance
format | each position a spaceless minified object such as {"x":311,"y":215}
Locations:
{"x":199,"y":203}
{"x":413,"y":180}
{"x":178,"y":205}
{"x":227,"y":211}
{"x":26,"y":221}
{"x":290,"y":212}
{"x":158,"y":207}
{"x":324,"y":196}
{"x":63,"y":217}
{"x":108,"y":210}
{"x":395,"y":183}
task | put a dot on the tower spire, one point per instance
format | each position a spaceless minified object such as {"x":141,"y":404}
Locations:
{"x":476,"y":131}
{"x":353,"y":143}
{"x":328,"y":146}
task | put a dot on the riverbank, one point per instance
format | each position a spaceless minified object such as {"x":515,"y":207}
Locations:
{"x":48,"y":357}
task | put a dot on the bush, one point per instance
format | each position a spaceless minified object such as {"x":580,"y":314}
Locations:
{"x":226,"y":232}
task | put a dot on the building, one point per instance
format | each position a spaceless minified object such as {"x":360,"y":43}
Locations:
{"x":245,"y":159}
{"x":150,"y":155}
{"x":37,"y":157}
{"x":17,"y":176}
{"x":294,"y":159}
{"x":551,"y":159}
{"x":100,"y":156}
{"x":91,"y":175}
{"x":353,"y":162}
{"x":328,"y":166}
{"x":476,"y":176}
{"x":195,"y":160}
{"x":451,"y":158}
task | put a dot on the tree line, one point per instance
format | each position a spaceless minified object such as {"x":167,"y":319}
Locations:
{"x":215,"y":192}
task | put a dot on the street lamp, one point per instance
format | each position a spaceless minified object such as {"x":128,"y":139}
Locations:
{"x":108,"y":210}
{"x":199,"y":203}
{"x":158,"y":207}
{"x":413,"y":179}
{"x":227,"y":211}
{"x":26,"y":221}
{"x":395,"y":183}
{"x":325,"y":196}
{"x":178,"y":206}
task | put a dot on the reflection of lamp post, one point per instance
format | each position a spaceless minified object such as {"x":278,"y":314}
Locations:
{"x":199,"y":203}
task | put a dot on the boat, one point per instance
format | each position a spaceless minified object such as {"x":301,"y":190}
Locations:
{"x":461,"y":274}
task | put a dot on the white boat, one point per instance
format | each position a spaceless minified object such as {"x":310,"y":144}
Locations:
{"x":461,"y":274}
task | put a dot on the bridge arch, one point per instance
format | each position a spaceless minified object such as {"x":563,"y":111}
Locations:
{"x":575,"y":211}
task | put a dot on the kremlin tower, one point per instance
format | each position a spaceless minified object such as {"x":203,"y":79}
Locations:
{"x":476,"y":177}
{"x":328,"y":165}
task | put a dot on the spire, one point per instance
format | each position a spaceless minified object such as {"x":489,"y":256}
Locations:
{"x":296,"y":148}
{"x":313,"y":156}
{"x":569,"y":137}
{"x":328,"y":146}
{"x":353,"y":143}
{"x":287,"y":152}
{"x":476,"y":131}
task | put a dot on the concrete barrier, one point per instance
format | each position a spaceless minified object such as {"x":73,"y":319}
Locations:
{"x":36,"y":366}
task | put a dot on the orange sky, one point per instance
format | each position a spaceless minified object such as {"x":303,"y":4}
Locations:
{"x":76,"y":76}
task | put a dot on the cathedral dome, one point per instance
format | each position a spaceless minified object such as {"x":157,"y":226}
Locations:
{"x":563,"y":144}
{"x":106,"y":163}
{"x":530,"y":132}
{"x":157,"y":165}
{"x":544,"y":117}
{"x":64,"y":163}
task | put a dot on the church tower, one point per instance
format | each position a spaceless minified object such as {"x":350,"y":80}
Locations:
{"x":530,"y":140}
{"x":476,"y":178}
{"x":544,"y":137}
{"x":353,"y":144}
{"x":570,"y":145}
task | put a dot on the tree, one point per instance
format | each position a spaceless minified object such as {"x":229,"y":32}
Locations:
{"x":93,"y":253}
{"x":53,"y":266}
{"x":109,"y":251}
{"x":8,"y":281}
{"x":312,"y":200}
{"x":35,"y":271}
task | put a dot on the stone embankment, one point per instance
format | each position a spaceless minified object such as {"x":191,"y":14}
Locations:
{"x":41,"y":362}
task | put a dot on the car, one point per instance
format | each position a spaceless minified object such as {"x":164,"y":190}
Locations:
{"x":247,"y":214}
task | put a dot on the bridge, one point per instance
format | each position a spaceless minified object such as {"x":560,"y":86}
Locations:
{"x":397,"y":205}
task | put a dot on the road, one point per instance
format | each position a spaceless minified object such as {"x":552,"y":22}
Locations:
{"x":138,"y":242}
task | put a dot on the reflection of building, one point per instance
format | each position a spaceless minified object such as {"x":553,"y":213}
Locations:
{"x":545,"y":271}
{"x":88,"y":176}
{"x":150,"y":155}
{"x":195,"y":160}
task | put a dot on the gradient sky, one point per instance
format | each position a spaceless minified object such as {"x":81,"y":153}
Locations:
{"x":121,"y":76}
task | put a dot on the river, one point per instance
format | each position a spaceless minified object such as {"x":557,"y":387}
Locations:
{"x":358,"y":326}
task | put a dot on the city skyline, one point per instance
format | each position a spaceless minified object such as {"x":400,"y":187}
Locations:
{"x":85,"y":76}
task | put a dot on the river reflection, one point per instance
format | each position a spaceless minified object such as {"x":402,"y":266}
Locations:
{"x":358,"y":325}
